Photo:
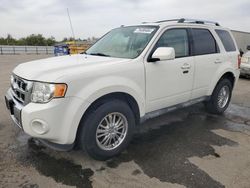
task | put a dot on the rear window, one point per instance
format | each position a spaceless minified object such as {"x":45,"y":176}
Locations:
{"x":203,"y":42}
{"x":226,"y":40}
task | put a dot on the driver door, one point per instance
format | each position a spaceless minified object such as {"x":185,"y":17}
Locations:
{"x":169,"y":82}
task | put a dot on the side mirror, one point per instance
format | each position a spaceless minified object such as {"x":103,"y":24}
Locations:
{"x":163,"y":53}
{"x":248,"y":47}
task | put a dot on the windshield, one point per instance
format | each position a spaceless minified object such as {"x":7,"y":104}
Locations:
{"x":123,"y":42}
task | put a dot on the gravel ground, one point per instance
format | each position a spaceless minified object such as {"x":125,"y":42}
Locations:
{"x":185,"y":148}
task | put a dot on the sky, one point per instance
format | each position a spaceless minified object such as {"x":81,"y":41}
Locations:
{"x":95,"y":17}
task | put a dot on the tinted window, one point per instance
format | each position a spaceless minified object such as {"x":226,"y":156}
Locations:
{"x":203,"y":42}
{"x":226,"y":40}
{"x":176,"y":38}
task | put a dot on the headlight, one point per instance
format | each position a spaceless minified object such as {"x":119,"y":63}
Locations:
{"x":244,"y":60}
{"x":44,"y":92}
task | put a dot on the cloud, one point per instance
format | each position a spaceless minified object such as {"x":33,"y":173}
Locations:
{"x":95,"y":17}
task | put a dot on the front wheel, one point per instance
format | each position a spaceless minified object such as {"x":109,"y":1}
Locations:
{"x":107,"y":130}
{"x":220,"y":98}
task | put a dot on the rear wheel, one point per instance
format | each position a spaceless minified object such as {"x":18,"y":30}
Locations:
{"x":220,"y":98}
{"x":107,"y":130}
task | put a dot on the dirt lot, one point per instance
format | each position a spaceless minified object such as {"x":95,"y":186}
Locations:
{"x":185,"y":148}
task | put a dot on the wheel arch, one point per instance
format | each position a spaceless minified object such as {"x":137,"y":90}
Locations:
{"x":129,"y":99}
{"x":227,"y":74}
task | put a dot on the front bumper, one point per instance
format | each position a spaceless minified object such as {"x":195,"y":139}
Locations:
{"x":56,"y":121}
{"x":15,"y":109}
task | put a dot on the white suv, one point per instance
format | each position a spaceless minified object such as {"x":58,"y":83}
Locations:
{"x":131,"y":74}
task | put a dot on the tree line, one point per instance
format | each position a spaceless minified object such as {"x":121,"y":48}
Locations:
{"x":34,"y":39}
{"x":38,"y":40}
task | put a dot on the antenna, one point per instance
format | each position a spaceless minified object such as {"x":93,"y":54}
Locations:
{"x":71,"y":27}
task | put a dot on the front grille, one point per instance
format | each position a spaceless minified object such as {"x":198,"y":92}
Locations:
{"x":21,"y":89}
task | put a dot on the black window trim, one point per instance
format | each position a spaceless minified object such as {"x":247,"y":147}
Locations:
{"x":149,"y":59}
{"x":192,"y":42}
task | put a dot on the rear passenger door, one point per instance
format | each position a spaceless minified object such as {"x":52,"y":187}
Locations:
{"x":207,"y":60}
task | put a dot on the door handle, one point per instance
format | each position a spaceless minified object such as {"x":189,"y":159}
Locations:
{"x":186,"y":66}
{"x":217,"y":61}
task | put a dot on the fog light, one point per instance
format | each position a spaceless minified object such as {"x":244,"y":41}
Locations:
{"x":39,"y":126}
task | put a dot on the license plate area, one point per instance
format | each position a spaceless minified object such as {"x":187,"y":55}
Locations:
{"x":10,"y":105}
{"x":14,"y":110}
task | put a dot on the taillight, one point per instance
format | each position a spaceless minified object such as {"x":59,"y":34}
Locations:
{"x":239,"y":61}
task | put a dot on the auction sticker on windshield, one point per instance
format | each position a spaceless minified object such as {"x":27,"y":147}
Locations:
{"x":144,"y":30}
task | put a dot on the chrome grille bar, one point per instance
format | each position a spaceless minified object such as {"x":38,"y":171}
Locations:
{"x":21,"y":89}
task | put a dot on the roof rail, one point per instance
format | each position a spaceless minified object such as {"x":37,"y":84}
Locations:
{"x":171,"y":20}
{"x":161,"y":21}
{"x":185,"y":20}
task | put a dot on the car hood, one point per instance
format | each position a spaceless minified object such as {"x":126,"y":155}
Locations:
{"x":51,"y":69}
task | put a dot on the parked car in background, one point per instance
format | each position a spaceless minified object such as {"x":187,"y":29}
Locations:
{"x":97,"y":98}
{"x":245,"y":64}
{"x":61,"y":49}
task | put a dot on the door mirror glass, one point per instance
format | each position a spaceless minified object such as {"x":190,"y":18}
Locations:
{"x":248,"y":47}
{"x":163,"y":53}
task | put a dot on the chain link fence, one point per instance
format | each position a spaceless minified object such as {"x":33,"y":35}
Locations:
{"x":13,"y":50}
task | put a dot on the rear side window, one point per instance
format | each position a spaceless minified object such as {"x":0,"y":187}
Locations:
{"x":203,"y":42}
{"x":226,"y":40}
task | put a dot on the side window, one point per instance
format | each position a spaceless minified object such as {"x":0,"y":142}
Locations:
{"x":176,"y":38}
{"x":226,"y":40}
{"x":203,"y":42}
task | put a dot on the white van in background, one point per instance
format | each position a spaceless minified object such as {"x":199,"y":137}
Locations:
{"x":245,"y":64}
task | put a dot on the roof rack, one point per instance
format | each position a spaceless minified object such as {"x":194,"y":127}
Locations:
{"x":171,"y":20}
{"x":185,"y":20}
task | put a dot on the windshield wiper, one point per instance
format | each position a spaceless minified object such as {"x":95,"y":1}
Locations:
{"x":99,"y":54}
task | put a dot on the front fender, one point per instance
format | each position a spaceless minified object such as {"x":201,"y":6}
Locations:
{"x":111,"y":84}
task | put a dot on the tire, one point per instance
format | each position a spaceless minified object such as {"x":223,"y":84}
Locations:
{"x":213,"y":105}
{"x":88,"y":132}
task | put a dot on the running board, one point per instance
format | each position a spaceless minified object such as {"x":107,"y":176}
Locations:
{"x":157,"y":113}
